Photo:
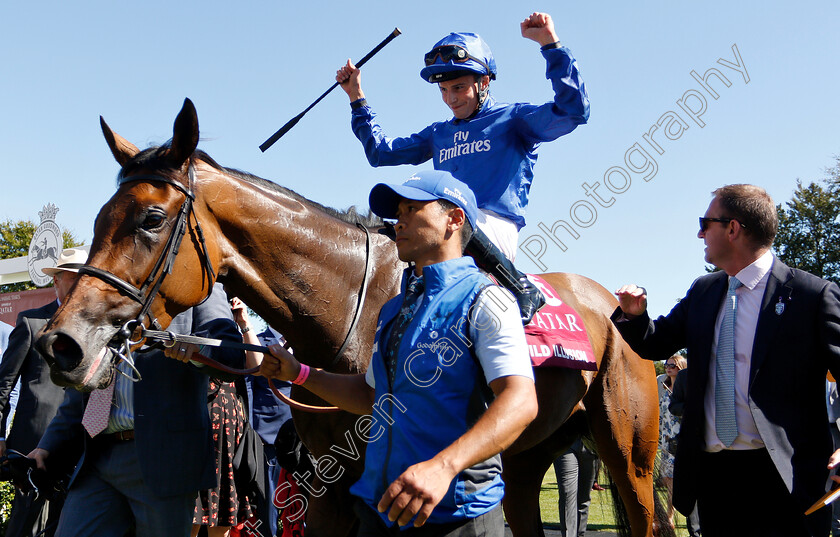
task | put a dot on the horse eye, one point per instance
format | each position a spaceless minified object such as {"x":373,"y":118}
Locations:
{"x":152,"y":221}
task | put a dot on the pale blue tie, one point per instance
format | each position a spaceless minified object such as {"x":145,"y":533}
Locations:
{"x":725,"y":425}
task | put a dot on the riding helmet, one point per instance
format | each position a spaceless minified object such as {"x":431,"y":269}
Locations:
{"x":476,"y":58}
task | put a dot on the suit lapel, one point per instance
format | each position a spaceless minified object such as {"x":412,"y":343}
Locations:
{"x":706,"y":317}
{"x":779,"y":290}
{"x":36,"y":322}
{"x":51,"y":308}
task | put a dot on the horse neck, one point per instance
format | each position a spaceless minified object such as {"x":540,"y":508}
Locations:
{"x":300,"y":268}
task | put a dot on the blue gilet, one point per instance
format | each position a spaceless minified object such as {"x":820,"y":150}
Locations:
{"x":438,"y":394}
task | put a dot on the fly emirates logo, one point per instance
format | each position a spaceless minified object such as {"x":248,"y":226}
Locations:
{"x":463,"y":146}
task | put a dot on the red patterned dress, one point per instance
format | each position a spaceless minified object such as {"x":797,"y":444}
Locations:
{"x":223,"y":506}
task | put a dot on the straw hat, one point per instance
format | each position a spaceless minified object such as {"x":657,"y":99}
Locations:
{"x":70,"y":260}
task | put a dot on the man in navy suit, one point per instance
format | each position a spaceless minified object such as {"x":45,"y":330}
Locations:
{"x":5,"y":330}
{"x":754,"y":443}
{"x":833,"y":404}
{"x":38,"y":398}
{"x":156,"y":453}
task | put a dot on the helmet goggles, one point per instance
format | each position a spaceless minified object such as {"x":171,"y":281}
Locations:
{"x":454,"y":54}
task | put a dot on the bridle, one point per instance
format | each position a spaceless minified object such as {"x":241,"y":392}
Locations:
{"x":147,"y":292}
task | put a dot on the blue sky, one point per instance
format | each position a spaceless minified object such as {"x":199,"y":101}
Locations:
{"x":251,"y":66}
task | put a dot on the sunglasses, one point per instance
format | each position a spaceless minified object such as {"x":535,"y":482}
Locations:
{"x":704,"y":222}
{"x":452,"y":53}
{"x":670,"y":366}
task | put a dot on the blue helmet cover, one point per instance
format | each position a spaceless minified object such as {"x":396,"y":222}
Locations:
{"x":474,"y":45}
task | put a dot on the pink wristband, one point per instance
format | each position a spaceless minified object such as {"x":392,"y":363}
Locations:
{"x":302,"y":375}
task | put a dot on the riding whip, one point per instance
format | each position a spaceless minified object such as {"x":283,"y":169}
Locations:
{"x":292,"y":122}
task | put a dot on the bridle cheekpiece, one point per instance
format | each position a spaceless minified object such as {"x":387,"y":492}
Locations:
{"x":146,"y":293}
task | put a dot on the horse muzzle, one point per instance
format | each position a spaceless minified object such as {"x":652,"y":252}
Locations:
{"x":72,"y":365}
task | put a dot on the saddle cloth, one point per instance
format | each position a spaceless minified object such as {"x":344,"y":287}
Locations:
{"x":556,"y":335}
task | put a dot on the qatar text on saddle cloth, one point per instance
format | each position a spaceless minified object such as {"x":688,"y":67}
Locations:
{"x":556,"y":335}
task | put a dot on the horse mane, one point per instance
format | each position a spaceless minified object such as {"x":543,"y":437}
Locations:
{"x":152,"y":159}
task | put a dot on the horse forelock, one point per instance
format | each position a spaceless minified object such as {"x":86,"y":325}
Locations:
{"x":150,"y":159}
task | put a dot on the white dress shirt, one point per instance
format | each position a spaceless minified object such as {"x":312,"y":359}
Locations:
{"x":750,"y":295}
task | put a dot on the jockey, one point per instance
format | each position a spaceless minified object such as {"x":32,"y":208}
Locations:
{"x":489,"y":146}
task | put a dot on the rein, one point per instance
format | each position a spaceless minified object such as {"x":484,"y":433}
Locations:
{"x":173,"y":339}
{"x":148,"y":291}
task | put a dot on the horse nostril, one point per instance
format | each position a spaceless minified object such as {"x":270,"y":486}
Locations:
{"x":60,"y":345}
{"x":65,"y":351}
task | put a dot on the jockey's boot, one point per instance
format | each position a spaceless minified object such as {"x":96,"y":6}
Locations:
{"x":490,"y":259}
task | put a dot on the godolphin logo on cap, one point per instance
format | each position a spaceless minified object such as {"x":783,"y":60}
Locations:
{"x":413,"y":178}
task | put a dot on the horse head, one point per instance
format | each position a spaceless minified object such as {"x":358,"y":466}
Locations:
{"x":136,"y":244}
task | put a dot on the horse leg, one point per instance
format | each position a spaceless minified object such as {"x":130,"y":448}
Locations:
{"x":525,"y":462}
{"x":523,"y":474}
{"x":625,"y":425}
{"x":336,"y":463}
{"x":330,"y":509}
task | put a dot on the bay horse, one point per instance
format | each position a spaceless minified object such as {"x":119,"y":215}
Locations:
{"x":301,"y":267}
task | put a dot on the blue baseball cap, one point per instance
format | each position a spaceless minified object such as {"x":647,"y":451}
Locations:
{"x":424,"y":186}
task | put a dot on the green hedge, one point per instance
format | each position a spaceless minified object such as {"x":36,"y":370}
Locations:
{"x":7,"y":492}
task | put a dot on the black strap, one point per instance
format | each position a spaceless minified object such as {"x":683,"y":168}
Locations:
{"x":114,"y":280}
{"x":121,"y":180}
{"x":362,"y":295}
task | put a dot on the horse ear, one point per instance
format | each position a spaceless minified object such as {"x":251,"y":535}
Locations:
{"x":184,"y":135}
{"x":122,"y":149}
